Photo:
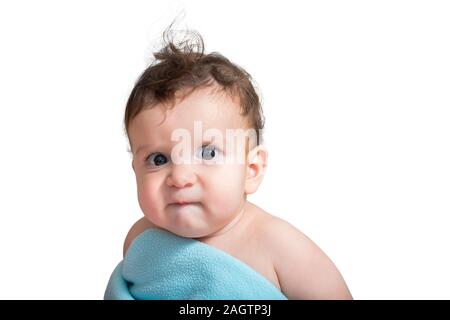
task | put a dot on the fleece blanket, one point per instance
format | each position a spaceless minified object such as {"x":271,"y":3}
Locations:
{"x":160,"y":265}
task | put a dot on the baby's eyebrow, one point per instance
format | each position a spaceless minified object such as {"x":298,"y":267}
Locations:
{"x":210,"y":140}
{"x":143,"y":147}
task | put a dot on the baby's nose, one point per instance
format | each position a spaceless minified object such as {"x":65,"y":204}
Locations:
{"x":181,"y":176}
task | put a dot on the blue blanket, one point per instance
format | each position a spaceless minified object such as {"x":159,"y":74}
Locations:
{"x":161,"y":265}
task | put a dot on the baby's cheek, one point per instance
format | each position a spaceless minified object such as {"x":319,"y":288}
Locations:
{"x":148,"y":200}
{"x":226,"y":190}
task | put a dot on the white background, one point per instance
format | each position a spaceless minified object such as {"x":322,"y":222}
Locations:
{"x":357,"y":100}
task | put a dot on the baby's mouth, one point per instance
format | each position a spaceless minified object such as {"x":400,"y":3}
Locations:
{"x":184,"y":206}
{"x":183,"y":203}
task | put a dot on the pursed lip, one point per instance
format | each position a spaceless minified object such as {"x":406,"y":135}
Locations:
{"x":184,"y":202}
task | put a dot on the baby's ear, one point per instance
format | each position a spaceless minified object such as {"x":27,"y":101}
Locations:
{"x":255,"y":168}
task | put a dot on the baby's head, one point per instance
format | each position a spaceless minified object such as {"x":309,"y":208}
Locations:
{"x":194,"y":124}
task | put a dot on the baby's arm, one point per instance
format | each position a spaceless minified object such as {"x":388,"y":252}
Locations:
{"x":304,"y":271}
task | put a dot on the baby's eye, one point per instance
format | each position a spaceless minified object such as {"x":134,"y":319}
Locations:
{"x":208,"y":152}
{"x":157,"y":159}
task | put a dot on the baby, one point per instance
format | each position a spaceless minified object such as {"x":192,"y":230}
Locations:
{"x":194,"y":125}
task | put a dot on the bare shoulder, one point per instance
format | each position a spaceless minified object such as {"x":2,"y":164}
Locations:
{"x":138,"y":227}
{"x":304,"y":271}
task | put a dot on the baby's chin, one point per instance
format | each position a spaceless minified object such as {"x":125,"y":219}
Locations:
{"x":189,"y":221}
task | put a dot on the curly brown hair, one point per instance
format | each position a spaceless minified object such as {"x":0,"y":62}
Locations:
{"x":180,"y":68}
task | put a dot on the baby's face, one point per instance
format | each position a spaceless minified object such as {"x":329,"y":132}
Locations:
{"x":198,"y":194}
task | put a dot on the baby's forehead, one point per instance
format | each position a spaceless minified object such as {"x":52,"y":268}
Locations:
{"x":204,"y":114}
{"x":210,"y":108}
